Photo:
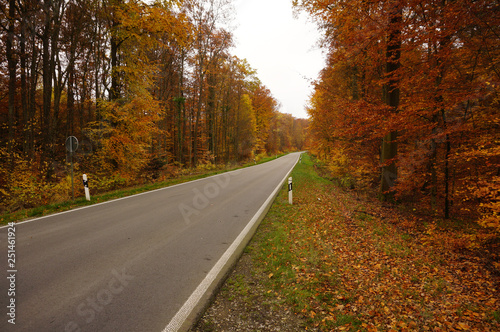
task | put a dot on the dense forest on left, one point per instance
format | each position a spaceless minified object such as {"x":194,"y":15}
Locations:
{"x":147,"y":88}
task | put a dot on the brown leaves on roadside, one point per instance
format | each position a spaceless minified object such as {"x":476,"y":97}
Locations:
{"x":357,"y":268}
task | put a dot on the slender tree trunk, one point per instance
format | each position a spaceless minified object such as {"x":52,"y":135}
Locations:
{"x":58,"y":90}
{"x":389,"y":149}
{"x":237,"y":129}
{"x":84,"y":95}
{"x":194,"y":136}
{"x":190,"y":141}
{"x":181,"y":114}
{"x":115,"y":45}
{"x":11,"y":64}
{"x":211,"y":112}
{"x":115,"y":90}
{"x":447,"y":143}
{"x":434,"y":176}
{"x":447,"y":200}
{"x":56,"y":69}
{"x":70,"y":104}
{"x":24,"y":88}
{"x":47,"y":78}
{"x":32,"y":95}
{"x":440,"y":50}
{"x":184,"y":135}
{"x":97,"y":59}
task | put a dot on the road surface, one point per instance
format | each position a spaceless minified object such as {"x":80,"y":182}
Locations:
{"x":131,"y":264}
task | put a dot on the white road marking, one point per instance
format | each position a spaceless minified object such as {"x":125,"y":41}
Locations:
{"x":184,"y":312}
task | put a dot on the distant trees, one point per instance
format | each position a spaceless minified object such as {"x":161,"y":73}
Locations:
{"x":142,"y":85}
{"x":422,"y":77}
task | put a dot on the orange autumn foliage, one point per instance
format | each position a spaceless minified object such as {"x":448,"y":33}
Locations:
{"x":149,"y":88}
{"x":447,"y":120}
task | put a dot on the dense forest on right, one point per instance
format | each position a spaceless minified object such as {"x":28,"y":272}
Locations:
{"x":408,"y":102}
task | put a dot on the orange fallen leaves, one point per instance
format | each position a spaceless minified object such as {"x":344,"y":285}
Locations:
{"x":363,"y":271}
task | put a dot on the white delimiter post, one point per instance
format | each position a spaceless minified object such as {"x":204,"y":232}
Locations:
{"x":290,"y":196}
{"x":86,"y":187}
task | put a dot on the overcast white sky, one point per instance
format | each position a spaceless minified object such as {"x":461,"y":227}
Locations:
{"x":281,"y":48}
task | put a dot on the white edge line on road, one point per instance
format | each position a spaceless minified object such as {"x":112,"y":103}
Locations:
{"x":127,"y":197}
{"x":184,"y":312}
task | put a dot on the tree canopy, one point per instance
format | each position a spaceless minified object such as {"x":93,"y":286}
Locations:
{"x":147,"y":87}
{"x":412,"y":85}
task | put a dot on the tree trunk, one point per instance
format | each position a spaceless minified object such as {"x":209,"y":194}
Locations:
{"x":11,"y":64}
{"x":115,"y":90}
{"x":32,"y":95}
{"x":211,"y":112}
{"x":194,"y":136}
{"x":70,"y":104}
{"x":115,"y":45}
{"x":446,"y":170}
{"x":57,"y":75}
{"x":181,"y":113}
{"x":389,"y":149}
{"x":24,"y":88}
{"x":47,"y":78}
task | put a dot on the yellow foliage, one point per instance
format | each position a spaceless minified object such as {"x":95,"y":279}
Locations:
{"x":491,"y":219}
{"x":103,"y":183}
{"x":247,"y":128}
{"x":489,"y":193}
{"x":61,"y":191}
{"x":209,"y":166}
{"x":25,"y":185}
{"x":338,"y":162}
{"x":21,"y":186}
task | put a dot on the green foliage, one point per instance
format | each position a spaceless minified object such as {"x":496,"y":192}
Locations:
{"x":260,"y":157}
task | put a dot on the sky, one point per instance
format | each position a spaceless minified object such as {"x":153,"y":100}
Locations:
{"x":282,"y":49}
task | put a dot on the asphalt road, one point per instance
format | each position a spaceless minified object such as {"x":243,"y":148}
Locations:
{"x":129,"y":264}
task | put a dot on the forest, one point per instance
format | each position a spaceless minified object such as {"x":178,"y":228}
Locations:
{"x":409,"y":102}
{"x":149,"y":89}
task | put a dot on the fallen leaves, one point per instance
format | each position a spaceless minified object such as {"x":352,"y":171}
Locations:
{"x":351,"y":271}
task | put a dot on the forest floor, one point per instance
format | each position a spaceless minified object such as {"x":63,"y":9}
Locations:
{"x":337,"y":260}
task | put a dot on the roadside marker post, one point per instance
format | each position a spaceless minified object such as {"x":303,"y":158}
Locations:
{"x":290,"y":195}
{"x":86,"y":187}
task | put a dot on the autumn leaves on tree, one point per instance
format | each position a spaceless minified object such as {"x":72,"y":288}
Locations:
{"x":411,"y":89}
{"x":146,"y":86}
